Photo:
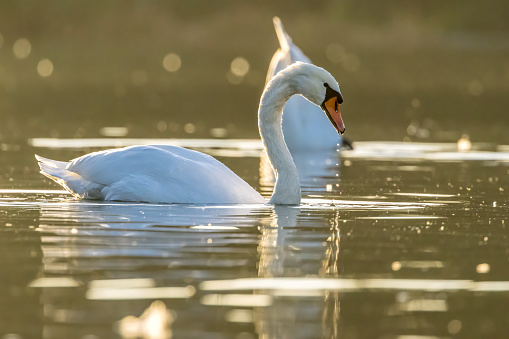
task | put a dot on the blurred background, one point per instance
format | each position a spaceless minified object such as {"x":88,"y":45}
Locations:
{"x":415,"y":70}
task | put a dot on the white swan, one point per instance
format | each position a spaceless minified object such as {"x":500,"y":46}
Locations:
{"x":172,"y":174}
{"x":300,"y":117}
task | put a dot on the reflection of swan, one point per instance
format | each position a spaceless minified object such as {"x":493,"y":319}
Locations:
{"x":276,"y":258}
{"x":300,"y":117}
{"x":139,"y":250}
{"x":119,"y":236}
{"x":176,"y":175}
{"x":284,"y":253}
{"x":315,"y":169}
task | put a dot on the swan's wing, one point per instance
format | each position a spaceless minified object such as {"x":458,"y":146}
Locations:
{"x":161,"y":173}
{"x":109,"y":166}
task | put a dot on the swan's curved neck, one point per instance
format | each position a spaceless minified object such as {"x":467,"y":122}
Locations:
{"x":270,"y":113}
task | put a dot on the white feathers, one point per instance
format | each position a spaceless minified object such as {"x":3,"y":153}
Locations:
{"x":156,"y":173}
{"x":305,"y":127}
{"x":169,"y":174}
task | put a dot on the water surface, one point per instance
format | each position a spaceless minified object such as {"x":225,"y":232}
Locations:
{"x":392,"y":240}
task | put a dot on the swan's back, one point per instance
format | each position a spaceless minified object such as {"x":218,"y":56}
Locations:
{"x":305,"y":126}
{"x":153,"y":173}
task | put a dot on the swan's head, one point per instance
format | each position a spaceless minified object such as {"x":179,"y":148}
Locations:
{"x":319,"y":86}
{"x":330,"y":105}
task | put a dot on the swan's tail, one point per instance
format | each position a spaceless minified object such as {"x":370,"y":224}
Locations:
{"x":284,"y":39}
{"x":72,"y":182}
{"x":53,"y":169}
{"x":287,"y":53}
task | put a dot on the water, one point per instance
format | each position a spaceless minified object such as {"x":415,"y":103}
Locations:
{"x":392,"y":240}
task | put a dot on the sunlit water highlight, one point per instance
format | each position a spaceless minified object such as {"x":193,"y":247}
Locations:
{"x":253,"y":147}
{"x":390,"y":235}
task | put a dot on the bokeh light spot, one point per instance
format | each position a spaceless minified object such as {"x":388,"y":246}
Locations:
{"x":162,"y":126}
{"x":396,"y":266}
{"x":45,"y":68}
{"x":117,"y":131}
{"x":22,"y":48}
{"x":464,"y":144}
{"x":233,"y":79}
{"x":454,"y":326}
{"x":219,"y":132}
{"x":239,"y":66}
{"x":139,"y":77}
{"x":335,"y":53}
{"x":351,"y":63}
{"x":483,"y":268}
{"x":189,"y":128}
{"x":12,"y":336}
{"x":172,"y":62}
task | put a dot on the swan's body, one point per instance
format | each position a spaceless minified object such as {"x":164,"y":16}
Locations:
{"x":300,"y":117}
{"x":172,"y":174}
{"x":155,"y":173}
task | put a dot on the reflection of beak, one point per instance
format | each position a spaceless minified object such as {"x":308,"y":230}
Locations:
{"x":331,"y":108}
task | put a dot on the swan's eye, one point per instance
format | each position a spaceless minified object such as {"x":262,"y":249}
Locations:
{"x":325,"y":85}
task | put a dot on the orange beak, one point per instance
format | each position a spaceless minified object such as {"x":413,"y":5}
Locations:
{"x":331,"y":108}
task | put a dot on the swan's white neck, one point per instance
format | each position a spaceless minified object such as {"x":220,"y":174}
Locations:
{"x":270,"y":113}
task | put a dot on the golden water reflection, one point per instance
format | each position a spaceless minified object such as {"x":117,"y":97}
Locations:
{"x":408,"y":259}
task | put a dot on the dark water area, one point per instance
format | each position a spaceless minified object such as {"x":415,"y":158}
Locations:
{"x":392,"y":241}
